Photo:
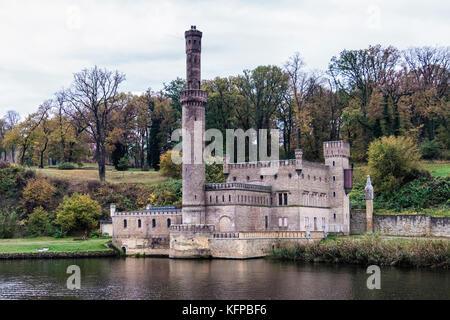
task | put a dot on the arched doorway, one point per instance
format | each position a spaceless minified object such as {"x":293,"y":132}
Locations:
{"x":225,"y":224}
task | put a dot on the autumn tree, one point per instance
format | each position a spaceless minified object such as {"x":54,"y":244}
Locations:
{"x":93,"y":98}
{"x":11,"y":119}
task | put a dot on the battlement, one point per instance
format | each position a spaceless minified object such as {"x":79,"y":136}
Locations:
{"x":237,"y":186}
{"x":336,"y":149}
{"x":193,"y":39}
{"x":193,"y":95}
{"x":274,"y":164}
{"x":192,"y":228}
{"x":150,"y":212}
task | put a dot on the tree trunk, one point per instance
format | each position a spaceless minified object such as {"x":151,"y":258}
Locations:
{"x":101,"y":153}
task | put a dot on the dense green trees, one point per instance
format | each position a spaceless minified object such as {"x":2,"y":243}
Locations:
{"x":393,"y":161}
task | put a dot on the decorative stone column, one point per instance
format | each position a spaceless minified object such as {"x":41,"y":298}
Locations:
{"x":368,"y":190}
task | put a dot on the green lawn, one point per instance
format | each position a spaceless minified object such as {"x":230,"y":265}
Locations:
{"x":54,"y":245}
{"x":438,"y":168}
{"x":89,"y":173}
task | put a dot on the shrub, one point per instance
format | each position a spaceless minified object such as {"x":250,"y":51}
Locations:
{"x":430,"y":149}
{"x":12,"y":181}
{"x":393,"y":161}
{"x":78,"y":213}
{"x":39,"y":223}
{"x":95,"y":234}
{"x":4,"y":164}
{"x":168,"y":167}
{"x":167,"y":193}
{"x":9,"y":224}
{"x":123,"y":164}
{"x":421,"y":193}
{"x":38,"y":193}
{"x":214,"y":173}
{"x":67,"y":166}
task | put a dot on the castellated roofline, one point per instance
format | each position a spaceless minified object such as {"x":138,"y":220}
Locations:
{"x":193,"y":95}
{"x":237,"y":186}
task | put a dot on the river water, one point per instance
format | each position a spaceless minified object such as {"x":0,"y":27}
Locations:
{"x":160,"y":278}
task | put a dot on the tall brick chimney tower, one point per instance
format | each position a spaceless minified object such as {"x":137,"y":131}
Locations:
{"x":193,"y":101}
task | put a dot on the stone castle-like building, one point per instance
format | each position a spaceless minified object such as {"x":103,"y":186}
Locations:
{"x":262,"y":205}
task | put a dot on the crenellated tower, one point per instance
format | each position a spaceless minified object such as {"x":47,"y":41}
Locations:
{"x":337,"y":154}
{"x":193,"y":101}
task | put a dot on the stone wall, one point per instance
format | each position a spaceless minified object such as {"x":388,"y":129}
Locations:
{"x":201,"y":242}
{"x":190,"y":241}
{"x":440,"y":227}
{"x":401,"y":225}
{"x":358,"y":222}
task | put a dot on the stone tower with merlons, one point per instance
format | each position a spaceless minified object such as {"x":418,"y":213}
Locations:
{"x":193,"y":101}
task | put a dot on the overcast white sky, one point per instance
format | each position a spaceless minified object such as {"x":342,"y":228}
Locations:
{"x":44,"y":42}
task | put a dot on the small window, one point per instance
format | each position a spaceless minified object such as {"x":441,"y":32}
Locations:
{"x":248,"y":178}
{"x":217,"y":199}
{"x":125,"y":224}
{"x":334,"y":194}
{"x":139,"y":223}
{"x":285,"y":199}
{"x":195,"y":197}
{"x":290,"y":176}
{"x":334,"y":216}
{"x":153,"y":223}
{"x":266,"y":222}
{"x":229,"y":198}
{"x":280,"y":222}
{"x":261,"y":177}
{"x":234,"y":178}
{"x":280,"y":199}
{"x":275,"y":176}
{"x":169,"y":222}
{"x":334,"y":163}
{"x":285,"y":222}
{"x":223,"y":198}
{"x":334,"y":178}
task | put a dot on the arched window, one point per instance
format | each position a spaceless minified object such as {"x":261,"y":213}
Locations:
{"x":153,"y":223}
{"x":334,"y":163}
{"x":169,"y":222}
{"x":139,"y":223}
{"x":125,"y":223}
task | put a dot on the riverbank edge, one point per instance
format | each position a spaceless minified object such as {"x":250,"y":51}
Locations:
{"x":367,"y":252}
{"x":58,"y":255}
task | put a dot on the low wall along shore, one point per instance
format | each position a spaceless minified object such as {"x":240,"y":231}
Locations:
{"x":58,"y":255}
{"x":203,"y":242}
{"x":401,"y":225}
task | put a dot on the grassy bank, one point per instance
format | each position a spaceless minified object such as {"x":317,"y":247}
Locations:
{"x":30,"y":245}
{"x":89,"y":172}
{"x":371,"y":249}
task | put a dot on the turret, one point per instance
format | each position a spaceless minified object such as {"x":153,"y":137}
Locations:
{"x":337,"y":154}
{"x":193,"y":101}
